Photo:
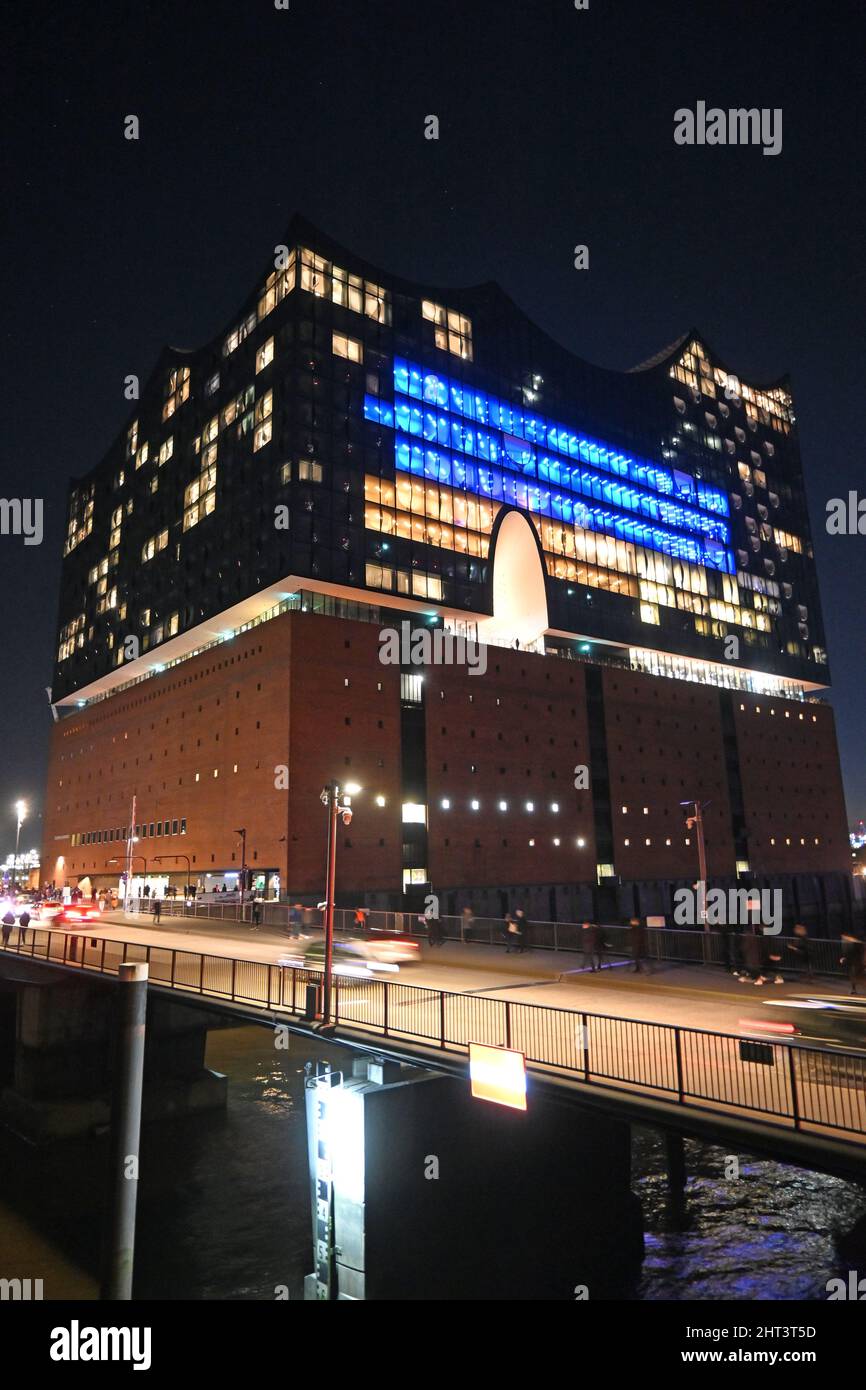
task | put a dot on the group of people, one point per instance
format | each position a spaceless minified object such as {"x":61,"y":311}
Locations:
{"x":8,"y":922}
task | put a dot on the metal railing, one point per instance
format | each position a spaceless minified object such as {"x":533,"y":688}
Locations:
{"x":787,"y":1082}
{"x":695,"y":947}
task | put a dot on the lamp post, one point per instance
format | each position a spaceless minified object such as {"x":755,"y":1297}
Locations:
{"x":696,"y":822}
{"x":339,"y":803}
{"x":21,"y":814}
{"x":243,"y":834}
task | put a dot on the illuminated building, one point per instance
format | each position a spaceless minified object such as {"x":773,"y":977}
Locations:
{"x":354,"y":449}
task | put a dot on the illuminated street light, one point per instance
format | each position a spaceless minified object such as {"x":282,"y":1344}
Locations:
{"x":338,"y":803}
{"x":696,"y":822}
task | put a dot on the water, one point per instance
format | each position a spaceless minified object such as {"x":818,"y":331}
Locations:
{"x":224,"y":1204}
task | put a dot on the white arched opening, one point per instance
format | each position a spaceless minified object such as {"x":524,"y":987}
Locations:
{"x":519,"y":594}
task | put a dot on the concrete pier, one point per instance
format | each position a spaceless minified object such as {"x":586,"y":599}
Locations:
{"x":59,"y":1031}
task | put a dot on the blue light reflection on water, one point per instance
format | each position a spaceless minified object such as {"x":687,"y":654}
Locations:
{"x":767,"y":1234}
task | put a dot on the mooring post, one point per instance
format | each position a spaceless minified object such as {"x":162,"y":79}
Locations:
{"x":119,"y":1239}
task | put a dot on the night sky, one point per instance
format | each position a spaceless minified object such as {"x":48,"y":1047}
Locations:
{"x":556,"y":128}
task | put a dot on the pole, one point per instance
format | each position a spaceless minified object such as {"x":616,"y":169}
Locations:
{"x":329,"y":901}
{"x":702,"y":865}
{"x":15,"y":860}
{"x":242,"y":831}
{"x":119,"y":1245}
{"x":130,"y":838}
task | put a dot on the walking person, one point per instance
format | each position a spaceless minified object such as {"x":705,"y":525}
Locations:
{"x":523,"y":925}
{"x":512,"y":933}
{"x":157,"y":909}
{"x":594,"y":942}
{"x":729,"y":948}
{"x":257,"y":913}
{"x":24,"y":923}
{"x":801,"y":949}
{"x":852,"y":957}
{"x":637,"y":936}
{"x":8,"y":924}
{"x":753,"y":957}
{"x":434,"y":929}
{"x":467,"y":922}
{"x":294,"y":921}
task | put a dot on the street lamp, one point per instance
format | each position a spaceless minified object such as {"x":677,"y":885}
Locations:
{"x":21,"y":813}
{"x":696,"y":822}
{"x":339,"y":804}
{"x":243,"y":834}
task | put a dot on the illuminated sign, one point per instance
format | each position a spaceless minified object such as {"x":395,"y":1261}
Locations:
{"x":498,"y":1074}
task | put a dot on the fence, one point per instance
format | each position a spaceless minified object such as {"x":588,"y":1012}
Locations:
{"x":788,"y":1083}
{"x":693,"y":947}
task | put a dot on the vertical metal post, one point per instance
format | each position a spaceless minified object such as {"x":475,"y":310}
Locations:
{"x":119,"y":1244}
{"x":702,"y":865}
{"x":329,"y":902}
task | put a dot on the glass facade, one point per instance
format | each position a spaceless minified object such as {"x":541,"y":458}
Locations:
{"x":353,"y":429}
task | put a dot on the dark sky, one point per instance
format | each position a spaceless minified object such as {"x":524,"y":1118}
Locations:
{"x":556,"y":129}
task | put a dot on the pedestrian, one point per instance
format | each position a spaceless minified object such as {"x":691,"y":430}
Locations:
{"x":257,"y":913}
{"x":523,"y":924}
{"x":590,"y":941}
{"x":8,"y":924}
{"x":512,"y":933}
{"x":801,"y":949}
{"x":467,"y":922}
{"x":24,"y":923}
{"x":729,"y":948}
{"x":637,"y":936}
{"x":852,"y":957}
{"x":294,"y":921}
{"x":434,"y":929}
{"x":157,"y":909}
{"x":753,"y":957}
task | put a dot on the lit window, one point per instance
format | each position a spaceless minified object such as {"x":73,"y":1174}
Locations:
{"x":347,"y":347}
{"x":265,"y":355}
{"x":446,"y":804}
{"x":310,"y":472}
{"x":476,"y":805}
{"x":263,"y":421}
{"x":414,"y":813}
{"x":503,"y":805}
{"x":452,"y":331}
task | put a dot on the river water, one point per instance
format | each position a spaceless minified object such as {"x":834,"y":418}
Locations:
{"x":224,"y":1204}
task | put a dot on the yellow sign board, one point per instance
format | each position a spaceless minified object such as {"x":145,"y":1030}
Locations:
{"x":498,"y":1074}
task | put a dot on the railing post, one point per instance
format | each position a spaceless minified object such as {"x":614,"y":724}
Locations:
{"x":585,"y":1040}
{"x":234,"y":970}
{"x":555,"y":938}
{"x":442,"y":1018}
{"x":679,"y":1052}
{"x":201,"y":974}
{"x":336,"y":998}
{"x":795,"y":1100}
{"x":102,"y":958}
{"x":385,"y":991}
{"x":173,"y":962}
